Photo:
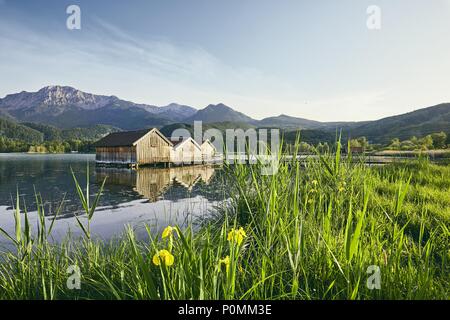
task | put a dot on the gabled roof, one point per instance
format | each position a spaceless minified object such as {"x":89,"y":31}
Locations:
{"x":126,"y":138}
{"x":121,"y":139}
{"x":178,"y":143}
{"x":207,"y":141}
{"x":159,"y":133}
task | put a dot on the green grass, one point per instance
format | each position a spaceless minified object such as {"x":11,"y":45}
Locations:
{"x":311,"y":232}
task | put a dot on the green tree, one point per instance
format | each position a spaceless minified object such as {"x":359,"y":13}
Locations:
{"x":305,"y":147}
{"x":407,"y":145}
{"x":363,"y":142}
{"x":439,"y":140}
{"x":395,"y":144}
{"x":355,"y":143}
{"x":323,"y":147}
{"x":426,"y":142}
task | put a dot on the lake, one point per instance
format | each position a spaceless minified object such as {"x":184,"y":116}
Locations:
{"x":155,"y":196}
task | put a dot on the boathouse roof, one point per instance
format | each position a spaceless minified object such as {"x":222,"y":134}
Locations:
{"x":121,"y":139}
{"x":128,"y":138}
{"x":179,"y":142}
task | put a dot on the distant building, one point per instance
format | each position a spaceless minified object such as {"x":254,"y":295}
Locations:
{"x":185,"y":151}
{"x":354,"y":149}
{"x":208,"y":151}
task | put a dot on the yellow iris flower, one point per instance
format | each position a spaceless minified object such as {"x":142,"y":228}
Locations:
{"x":164,"y":257}
{"x":225,"y":261}
{"x":236,"y":235}
{"x":168,"y":232}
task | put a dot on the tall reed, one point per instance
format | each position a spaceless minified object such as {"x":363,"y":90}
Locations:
{"x":316,"y":229}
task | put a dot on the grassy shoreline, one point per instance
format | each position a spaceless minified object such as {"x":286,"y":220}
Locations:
{"x":440,"y":153}
{"x":314,"y":232}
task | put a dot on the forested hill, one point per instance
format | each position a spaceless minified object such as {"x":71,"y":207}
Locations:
{"x":417,"y":123}
{"x":37,"y":133}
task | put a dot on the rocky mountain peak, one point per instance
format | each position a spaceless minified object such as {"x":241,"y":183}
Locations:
{"x":64,"y":95}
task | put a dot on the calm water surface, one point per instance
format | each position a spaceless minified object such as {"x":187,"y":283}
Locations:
{"x":155,"y":196}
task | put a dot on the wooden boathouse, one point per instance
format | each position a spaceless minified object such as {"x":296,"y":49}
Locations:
{"x":150,"y":146}
{"x":208,"y":151}
{"x":186,"y":151}
{"x":139,"y":147}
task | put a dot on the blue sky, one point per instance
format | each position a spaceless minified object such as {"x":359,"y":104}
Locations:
{"x":312,"y":59}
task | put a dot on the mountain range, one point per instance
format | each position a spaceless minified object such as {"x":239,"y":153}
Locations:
{"x":62,"y":110}
{"x":67,"y":107}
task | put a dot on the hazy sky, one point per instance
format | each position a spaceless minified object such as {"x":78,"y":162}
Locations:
{"x":313,"y":59}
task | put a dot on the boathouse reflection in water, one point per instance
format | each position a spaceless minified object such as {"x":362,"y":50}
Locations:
{"x":151,"y":183}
